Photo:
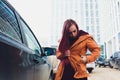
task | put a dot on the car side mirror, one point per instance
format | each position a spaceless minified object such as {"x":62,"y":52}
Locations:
{"x":49,"y":51}
{"x":37,"y":53}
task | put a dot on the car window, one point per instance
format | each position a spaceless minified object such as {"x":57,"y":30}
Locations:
{"x":32,"y":43}
{"x":50,"y":51}
{"x":115,"y":54}
{"x":119,"y":55}
{"x":8,"y":23}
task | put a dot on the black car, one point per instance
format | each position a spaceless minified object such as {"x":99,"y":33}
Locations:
{"x":21,"y":55}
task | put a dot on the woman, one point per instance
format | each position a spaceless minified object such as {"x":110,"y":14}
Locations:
{"x":72,"y":52}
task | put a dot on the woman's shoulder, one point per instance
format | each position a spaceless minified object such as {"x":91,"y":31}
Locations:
{"x":86,"y":36}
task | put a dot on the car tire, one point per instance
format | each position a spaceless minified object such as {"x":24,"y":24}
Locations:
{"x":99,"y":65}
{"x":104,"y":65}
{"x":110,"y":65}
{"x":90,"y":70}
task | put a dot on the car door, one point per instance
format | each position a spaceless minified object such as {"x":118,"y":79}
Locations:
{"x":42,"y":67}
{"x":12,"y":47}
{"x":21,"y":56}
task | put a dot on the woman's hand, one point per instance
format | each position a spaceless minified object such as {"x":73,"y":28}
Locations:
{"x":84,"y":58}
{"x":67,"y":53}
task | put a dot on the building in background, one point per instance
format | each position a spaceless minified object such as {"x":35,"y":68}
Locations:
{"x":84,"y":12}
{"x":101,"y":18}
{"x":109,"y":12}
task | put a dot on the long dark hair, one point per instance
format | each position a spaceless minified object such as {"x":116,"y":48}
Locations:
{"x":65,"y":43}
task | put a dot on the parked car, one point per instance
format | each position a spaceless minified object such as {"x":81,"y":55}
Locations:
{"x":102,"y":62}
{"x":51,"y":53}
{"x":21,"y":55}
{"x":114,"y":60}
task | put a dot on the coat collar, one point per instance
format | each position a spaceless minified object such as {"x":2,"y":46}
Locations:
{"x":81,"y":39}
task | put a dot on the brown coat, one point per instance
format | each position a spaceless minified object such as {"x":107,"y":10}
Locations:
{"x":77,"y":49}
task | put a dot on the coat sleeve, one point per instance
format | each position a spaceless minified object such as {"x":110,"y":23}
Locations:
{"x":94,"y":49}
{"x":59,"y":55}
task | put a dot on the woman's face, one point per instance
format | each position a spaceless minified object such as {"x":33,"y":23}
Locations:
{"x":73,"y":31}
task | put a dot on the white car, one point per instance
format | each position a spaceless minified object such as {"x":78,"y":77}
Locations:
{"x":54,"y":62}
{"x":51,"y":54}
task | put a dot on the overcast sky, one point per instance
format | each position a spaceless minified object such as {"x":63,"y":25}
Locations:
{"x":37,"y":14}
